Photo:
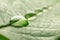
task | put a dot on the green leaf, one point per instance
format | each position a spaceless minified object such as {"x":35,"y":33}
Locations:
{"x":3,"y":37}
{"x":44,"y":27}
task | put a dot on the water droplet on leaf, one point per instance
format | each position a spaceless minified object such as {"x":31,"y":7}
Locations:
{"x":21,"y":23}
{"x":38,"y":11}
{"x":30,"y":16}
{"x":18,"y":21}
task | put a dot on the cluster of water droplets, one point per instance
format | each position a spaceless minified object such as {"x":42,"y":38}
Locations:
{"x":21,"y":21}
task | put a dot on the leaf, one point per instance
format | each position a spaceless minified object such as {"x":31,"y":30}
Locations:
{"x":44,"y":27}
{"x":3,"y":38}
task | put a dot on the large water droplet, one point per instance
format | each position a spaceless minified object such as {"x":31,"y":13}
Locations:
{"x":18,"y":21}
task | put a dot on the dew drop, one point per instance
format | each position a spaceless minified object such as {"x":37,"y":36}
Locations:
{"x":18,"y":21}
{"x":38,"y":10}
{"x":30,"y":16}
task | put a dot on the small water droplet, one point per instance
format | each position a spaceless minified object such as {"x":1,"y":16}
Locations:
{"x":38,"y":11}
{"x":30,"y":16}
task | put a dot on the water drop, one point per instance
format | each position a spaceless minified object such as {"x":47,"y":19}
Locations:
{"x":30,"y":16}
{"x":38,"y":10}
{"x":18,"y":21}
